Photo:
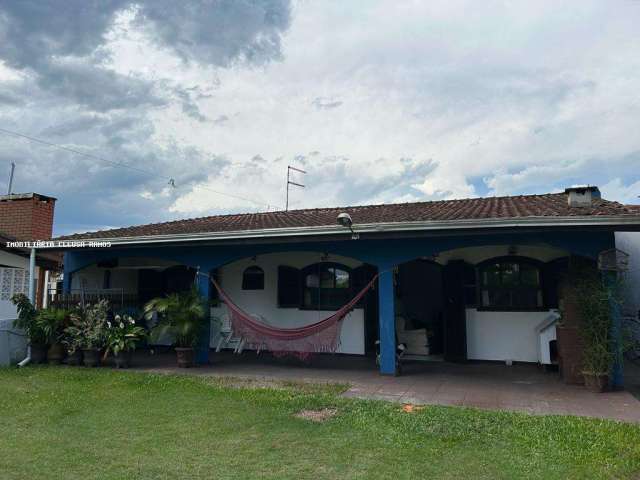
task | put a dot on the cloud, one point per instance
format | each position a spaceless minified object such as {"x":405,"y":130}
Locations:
{"x":222,"y":95}
{"x":616,"y":189}
{"x":322,"y":103}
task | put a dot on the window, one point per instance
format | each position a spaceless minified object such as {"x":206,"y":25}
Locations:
{"x":326,"y":286}
{"x":510,"y":283}
{"x":253,"y":278}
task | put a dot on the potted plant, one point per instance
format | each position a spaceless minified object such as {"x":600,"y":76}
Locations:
{"x":88,"y":325}
{"x":52,"y":323}
{"x":595,"y":331}
{"x":181,"y":315}
{"x":122,"y":336}
{"x":27,"y":321}
{"x":72,"y":339}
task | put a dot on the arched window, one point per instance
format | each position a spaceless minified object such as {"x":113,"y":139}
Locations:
{"x":510,"y":283}
{"x":326,"y":286}
{"x":253,"y":278}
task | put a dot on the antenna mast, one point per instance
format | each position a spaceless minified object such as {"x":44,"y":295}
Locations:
{"x":289,"y":182}
{"x":13,"y":168}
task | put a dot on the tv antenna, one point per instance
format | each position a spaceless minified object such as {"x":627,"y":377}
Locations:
{"x":289,"y":182}
{"x":13,"y":169}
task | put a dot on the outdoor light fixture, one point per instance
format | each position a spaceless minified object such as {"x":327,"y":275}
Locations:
{"x":345,"y":220}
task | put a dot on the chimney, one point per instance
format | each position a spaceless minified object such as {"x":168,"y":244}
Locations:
{"x":582,"y":196}
{"x":27,"y":216}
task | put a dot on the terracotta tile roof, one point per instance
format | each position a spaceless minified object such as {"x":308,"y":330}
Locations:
{"x":549,"y":205}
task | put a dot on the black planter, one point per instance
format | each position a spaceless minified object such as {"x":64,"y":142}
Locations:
{"x":55,"y":354}
{"x":91,"y":357}
{"x":38,"y":353}
{"x":123,"y":359}
{"x":74,"y":358}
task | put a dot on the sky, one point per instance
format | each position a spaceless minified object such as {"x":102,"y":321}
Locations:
{"x":203,"y":104}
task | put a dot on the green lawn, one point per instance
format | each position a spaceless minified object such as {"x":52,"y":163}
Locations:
{"x":69,"y":423}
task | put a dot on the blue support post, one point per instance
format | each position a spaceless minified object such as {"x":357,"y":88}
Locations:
{"x":202,"y":354}
{"x":386,"y":299}
{"x":66,"y":276}
{"x":611,"y":281}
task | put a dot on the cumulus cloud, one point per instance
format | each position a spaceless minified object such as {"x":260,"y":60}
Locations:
{"x":222,"y":95}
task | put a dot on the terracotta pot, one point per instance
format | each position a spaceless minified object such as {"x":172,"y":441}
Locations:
{"x":596,"y":382}
{"x":91,"y":357}
{"x":55,"y":354}
{"x":123,"y":359}
{"x":185,"y":357}
{"x":38,"y":353}
{"x":74,"y":358}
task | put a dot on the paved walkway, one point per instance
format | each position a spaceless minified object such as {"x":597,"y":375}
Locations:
{"x":524,"y":388}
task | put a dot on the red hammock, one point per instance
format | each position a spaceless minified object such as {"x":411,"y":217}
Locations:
{"x":322,"y":336}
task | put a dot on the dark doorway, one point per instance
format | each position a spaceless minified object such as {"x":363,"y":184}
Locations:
{"x":420,"y":307}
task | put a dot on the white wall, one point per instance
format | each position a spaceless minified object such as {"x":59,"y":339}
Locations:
{"x":503,"y":335}
{"x":264,"y":302}
{"x":93,"y":278}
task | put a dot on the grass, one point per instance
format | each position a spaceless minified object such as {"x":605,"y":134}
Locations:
{"x":59,"y":422}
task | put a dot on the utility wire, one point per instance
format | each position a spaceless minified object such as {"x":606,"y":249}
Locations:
{"x":169,"y":180}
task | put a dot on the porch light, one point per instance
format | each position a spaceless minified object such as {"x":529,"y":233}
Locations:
{"x":345,"y":220}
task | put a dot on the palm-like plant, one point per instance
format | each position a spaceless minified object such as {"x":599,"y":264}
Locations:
{"x":52,"y":322}
{"x":28,"y":320}
{"x":180,"y":315}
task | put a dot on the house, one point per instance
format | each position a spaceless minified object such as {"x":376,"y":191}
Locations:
{"x":23,"y":217}
{"x":474,"y":278}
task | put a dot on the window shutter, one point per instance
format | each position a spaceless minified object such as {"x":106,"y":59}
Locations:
{"x":288,"y":287}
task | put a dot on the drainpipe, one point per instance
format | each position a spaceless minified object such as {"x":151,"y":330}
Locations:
{"x":32,"y":297}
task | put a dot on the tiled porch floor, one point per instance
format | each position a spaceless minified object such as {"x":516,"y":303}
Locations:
{"x":523,"y":388}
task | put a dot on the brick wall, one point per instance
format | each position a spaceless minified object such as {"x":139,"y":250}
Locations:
{"x":27,"y":216}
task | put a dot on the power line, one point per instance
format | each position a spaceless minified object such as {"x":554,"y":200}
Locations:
{"x":169,"y":180}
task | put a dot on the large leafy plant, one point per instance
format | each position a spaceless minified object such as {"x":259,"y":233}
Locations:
{"x":52,"y":322}
{"x":595,"y":304}
{"x":87,"y":329}
{"x":28,"y":320}
{"x":122,"y":335}
{"x":180,"y":315}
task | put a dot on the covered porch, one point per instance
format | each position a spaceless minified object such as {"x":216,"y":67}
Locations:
{"x":466,"y":318}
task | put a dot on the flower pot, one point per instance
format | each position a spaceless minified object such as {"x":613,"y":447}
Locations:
{"x":123,"y":359}
{"x":74,"y":358}
{"x":38,"y":353}
{"x":185,"y":357}
{"x":55,"y":354}
{"x":91,"y":357}
{"x":596,"y":382}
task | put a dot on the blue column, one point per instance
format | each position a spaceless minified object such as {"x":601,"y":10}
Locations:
{"x":202,"y":354}
{"x":66,"y":277}
{"x":611,"y":281}
{"x":386,"y":299}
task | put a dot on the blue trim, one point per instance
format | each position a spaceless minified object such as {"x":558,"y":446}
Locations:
{"x":386,"y":301}
{"x":202,"y":353}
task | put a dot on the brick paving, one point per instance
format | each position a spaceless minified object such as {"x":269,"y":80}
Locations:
{"x":524,"y":388}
